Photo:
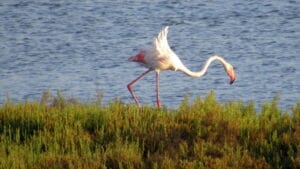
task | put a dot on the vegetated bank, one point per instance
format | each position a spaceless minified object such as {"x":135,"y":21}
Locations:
{"x":64,"y":133}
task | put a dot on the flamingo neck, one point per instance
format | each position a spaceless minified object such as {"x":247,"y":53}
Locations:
{"x":204,"y":68}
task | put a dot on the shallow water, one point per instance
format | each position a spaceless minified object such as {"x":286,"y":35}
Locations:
{"x":82,"y":47}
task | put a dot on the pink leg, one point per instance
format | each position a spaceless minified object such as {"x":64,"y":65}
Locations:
{"x":131,"y":83}
{"x":157,"y":90}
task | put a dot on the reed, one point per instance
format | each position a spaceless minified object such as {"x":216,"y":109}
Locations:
{"x":57,"y":132}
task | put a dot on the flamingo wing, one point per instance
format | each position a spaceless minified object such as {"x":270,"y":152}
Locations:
{"x":161,"y":45}
{"x":164,"y":53}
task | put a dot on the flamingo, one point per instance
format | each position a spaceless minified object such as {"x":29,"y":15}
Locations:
{"x":161,"y":57}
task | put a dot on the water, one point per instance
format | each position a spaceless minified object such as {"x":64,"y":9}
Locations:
{"x":81,"y":47}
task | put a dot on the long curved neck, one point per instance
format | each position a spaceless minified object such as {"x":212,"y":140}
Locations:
{"x":204,"y":68}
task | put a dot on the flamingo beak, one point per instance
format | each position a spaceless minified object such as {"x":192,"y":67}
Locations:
{"x":231,"y":75}
{"x":231,"y":81}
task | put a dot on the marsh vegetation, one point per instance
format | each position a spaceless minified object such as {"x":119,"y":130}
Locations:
{"x":57,"y":132}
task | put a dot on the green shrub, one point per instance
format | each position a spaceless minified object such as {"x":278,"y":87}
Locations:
{"x":64,"y":133}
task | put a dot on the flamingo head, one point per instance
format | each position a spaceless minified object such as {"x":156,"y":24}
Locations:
{"x":230,"y":72}
{"x":138,"y":58}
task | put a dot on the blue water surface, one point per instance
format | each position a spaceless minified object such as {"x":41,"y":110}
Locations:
{"x":81,"y":47}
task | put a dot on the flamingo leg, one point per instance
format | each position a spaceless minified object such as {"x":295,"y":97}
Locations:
{"x":132,"y":83}
{"x":157,"y":89}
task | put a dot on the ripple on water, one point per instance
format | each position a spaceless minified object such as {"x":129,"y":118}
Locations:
{"x":82,"y":47}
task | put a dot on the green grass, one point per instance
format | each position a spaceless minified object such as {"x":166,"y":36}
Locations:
{"x":64,"y":133}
